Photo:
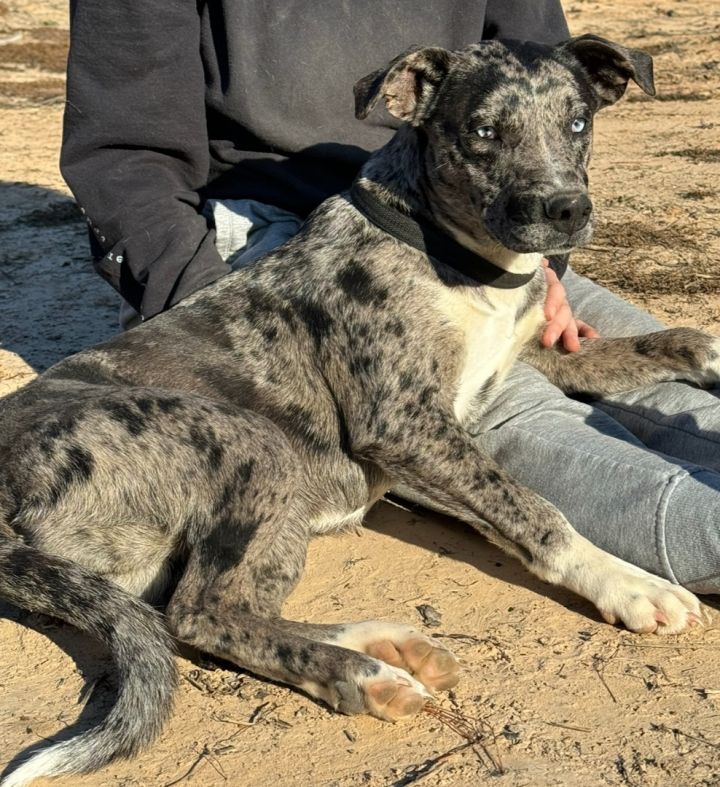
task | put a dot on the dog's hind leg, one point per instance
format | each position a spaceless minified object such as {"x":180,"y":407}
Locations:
{"x":241,"y":568}
{"x":607,"y":366}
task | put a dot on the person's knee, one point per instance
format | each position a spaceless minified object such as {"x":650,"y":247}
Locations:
{"x":688,"y":532}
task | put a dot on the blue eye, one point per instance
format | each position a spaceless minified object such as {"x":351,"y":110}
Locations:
{"x":578,"y":125}
{"x":487,"y":132}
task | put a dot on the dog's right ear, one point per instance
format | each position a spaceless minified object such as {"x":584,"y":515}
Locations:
{"x":408,"y":84}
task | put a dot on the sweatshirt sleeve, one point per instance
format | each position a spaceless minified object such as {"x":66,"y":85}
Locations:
{"x":135,"y":147}
{"x":526,"y":20}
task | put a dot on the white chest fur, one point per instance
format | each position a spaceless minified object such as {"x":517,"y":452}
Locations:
{"x":492,"y":334}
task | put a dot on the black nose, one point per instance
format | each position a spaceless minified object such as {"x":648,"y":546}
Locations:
{"x":568,"y":211}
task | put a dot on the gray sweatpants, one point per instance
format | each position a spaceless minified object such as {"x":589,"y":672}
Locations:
{"x":638,"y":473}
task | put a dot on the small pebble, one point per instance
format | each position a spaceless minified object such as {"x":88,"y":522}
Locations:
{"x":430,"y":616}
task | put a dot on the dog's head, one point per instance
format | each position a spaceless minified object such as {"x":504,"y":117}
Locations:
{"x":505,"y":132}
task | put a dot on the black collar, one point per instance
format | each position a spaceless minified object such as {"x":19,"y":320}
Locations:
{"x":427,"y":238}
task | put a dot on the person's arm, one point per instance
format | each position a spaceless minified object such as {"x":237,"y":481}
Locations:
{"x":135,"y":147}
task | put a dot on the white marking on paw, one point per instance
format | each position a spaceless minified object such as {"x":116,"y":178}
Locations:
{"x":712,"y":372}
{"x":405,"y":647}
{"x":623,"y":592}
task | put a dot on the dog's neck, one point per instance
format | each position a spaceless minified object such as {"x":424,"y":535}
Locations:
{"x":395,"y":174}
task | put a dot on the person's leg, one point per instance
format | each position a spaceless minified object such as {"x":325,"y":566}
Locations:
{"x":637,"y":504}
{"x":674,"y":418}
{"x":245,"y":230}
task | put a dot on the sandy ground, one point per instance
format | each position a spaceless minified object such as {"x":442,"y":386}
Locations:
{"x":566,"y":699}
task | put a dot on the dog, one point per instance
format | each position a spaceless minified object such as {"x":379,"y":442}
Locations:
{"x":198,"y":454}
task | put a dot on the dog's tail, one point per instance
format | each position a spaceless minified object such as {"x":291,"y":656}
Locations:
{"x":140,"y":645}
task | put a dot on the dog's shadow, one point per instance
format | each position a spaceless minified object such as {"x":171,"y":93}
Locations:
{"x":452,"y":539}
{"x":92,"y":662}
{"x":455,"y":540}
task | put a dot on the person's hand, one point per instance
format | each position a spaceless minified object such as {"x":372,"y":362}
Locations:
{"x":561,"y":323}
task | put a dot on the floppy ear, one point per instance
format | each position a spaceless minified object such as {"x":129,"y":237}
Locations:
{"x":408,"y":84}
{"x":610,"y":66}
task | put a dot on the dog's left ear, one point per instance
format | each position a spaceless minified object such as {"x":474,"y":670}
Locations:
{"x":610,"y":66}
{"x":408,"y":84}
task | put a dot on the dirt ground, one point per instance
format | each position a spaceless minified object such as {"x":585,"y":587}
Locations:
{"x":564,"y":698}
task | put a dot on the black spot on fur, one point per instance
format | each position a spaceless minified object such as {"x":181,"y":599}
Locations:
{"x":406,"y":381}
{"x":285,"y":656}
{"x":233,"y":490}
{"x":145,"y":405}
{"x":395,"y":327}
{"x":204,"y":440}
{"x":359,"y":286}
{"x":76,"y":469}
{"x":304,"y":657}
{"x":50,"y":432}
{"x":316,"y":319}
{"x":245,"y":470}
{"x":269,"y":333}
{"x":133,"y":420}
{"x":304,"y":425}
{"x":224,"y":546}
{"x":215,"y":455}
{"x":198,"y":438}
{"x":169,"y":404}
{"x":258,"y":306}
{"x":644,"y":345}
{"x":426,"y":395}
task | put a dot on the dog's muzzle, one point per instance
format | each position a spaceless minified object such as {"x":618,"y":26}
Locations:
{"x":537,"y":222}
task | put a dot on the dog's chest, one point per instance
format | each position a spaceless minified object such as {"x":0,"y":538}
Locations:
{"x":494,"y":325}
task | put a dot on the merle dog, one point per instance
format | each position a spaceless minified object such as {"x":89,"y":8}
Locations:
{"x":199,"y":453}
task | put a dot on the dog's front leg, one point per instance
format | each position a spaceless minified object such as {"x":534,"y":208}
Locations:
{"x":437,"y":459}
{"x":608,"y":366}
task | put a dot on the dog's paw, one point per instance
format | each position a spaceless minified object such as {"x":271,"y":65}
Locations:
{"x":711,"y":372}
{"x":645,"y":603}
{"x":702,"y":350}
{"x":394,"y":694}
{"x":406,"y":648}
{"x":435,"y":667}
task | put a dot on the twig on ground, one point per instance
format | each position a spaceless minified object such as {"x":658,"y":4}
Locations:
{"x":678,"y":646}
{"x":238,"y":722}
{"x":475,"y":731}
{"x":676,"y":731}
{"x":466,"y":637}
{"x":190,"y":770}
{"x":209,"y":754}
{"x":199,"y":686}
{"x":599,"y":664}
{"x":421,"y":771}
{"x":565,"y":726}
